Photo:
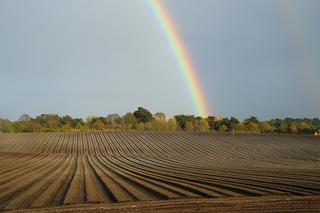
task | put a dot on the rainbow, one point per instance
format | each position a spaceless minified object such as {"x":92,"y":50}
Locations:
{"x":176,"y":44}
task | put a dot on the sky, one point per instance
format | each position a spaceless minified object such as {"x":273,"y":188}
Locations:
{"x":95,"y":57}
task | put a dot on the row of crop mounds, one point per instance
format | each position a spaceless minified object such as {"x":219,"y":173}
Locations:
{"x":54,"y":169}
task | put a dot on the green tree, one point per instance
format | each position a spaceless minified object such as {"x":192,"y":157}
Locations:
{"x":8,"y":127}
{"x":252,"y":119}
{"x":316,"y":123}
{"x":67,"y":122}
{"x":90,"y":118}
{"x":233,"y":121}
{"x":182,"y":120}
{"x":143,"y":115}
{"x":226,"y":122}
{"x":213,"y":122}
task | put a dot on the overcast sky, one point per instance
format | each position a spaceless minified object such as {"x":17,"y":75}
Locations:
{"x":95,"y":57}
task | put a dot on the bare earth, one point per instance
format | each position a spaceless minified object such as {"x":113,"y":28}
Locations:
{"x":241,"y":204}
{"x":169,"y":171}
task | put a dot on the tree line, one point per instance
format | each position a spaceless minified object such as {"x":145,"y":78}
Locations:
{"x":143,"y":120}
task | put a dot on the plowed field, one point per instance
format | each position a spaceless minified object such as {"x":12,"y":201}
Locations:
{"x":57,"y":169}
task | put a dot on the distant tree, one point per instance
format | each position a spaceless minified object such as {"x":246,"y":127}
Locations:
{"x":21,"y":126}
{"x":196,"y":125}
{"x":67,"y":122}
{"x":203,"y":125}
{"x":143,"y":115}
{"x":226,"y":122}
{"x":252,"y":119}
{"x":182,"y":120}
{"x":240,"y":127}
{"x":293,"y":128}
{"x":253,"y":126}
{"x":189,"y":126}
{"x":78,"y":121}
{"x":7,"y":126}
{"x":24,"y":117}
{"x":2,"y":121}
{"x":49,"y":121}
{"x":304,"y":128}
{"x":82,"y":126}
{"x":160,"y":122}
{"x":316,"y":123}
{"x":223,"y":127}
{"x":114,"y":121}
{"x":98,"y":124}
{"x":35,"y":127}
{"x":283,"y":128}
{"x":160,"y":116}
{"x":142,"y":119}
{"x":113,"y":118}
{"x":130,"y":121}
{"x":172,"y":124}
{"x":149,"y":126}
{"x":265,"y":127}
{"x":140,"y":126}
{"x":90,"y":118}
{"x":158,"y":125}
{"x":213,"y":122}
{"x":233,"y":121}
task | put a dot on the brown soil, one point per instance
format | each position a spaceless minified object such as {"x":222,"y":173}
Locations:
{"x":168,"y":171}
{"x":241,"y":204}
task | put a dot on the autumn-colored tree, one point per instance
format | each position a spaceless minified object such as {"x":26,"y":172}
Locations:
{"x":304,"y":128}
{"x":189,"y":126}
{"x":203,"y":125}
{"x":253,"y":126}
{"x":283,"y":128}
{"x":172,"y":124}
{"x":130,"y":121}
{"x":223,"y":127}
{"x":265,"y":127}
{"x":140,"y":126}
{"x":240,"y":127}
{"x":293,"y":128}
{"x":160,"y":116}
{"x":98,"y":124}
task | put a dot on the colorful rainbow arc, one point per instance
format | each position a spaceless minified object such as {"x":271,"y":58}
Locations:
{"x":184,"y":62}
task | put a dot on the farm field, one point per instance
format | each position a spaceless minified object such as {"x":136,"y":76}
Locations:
{"x":68,"y":169}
